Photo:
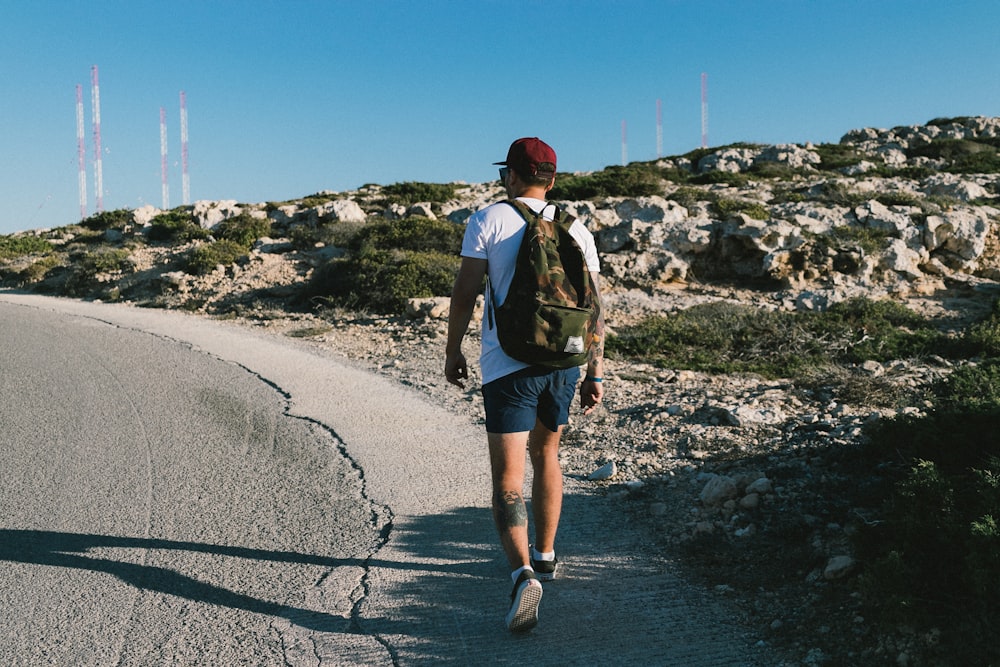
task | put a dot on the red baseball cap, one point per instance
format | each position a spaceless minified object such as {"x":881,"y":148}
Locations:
{"x":530,"y":156}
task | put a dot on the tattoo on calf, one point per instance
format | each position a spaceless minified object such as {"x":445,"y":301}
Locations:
{"x":510,"y":509}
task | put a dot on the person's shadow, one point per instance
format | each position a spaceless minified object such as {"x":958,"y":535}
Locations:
{"x":69,"y":550}
{"x":72,"y":550}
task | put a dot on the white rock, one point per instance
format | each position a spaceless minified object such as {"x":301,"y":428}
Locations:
{"x":605,"y":472}
{"x":838,"y":567}
{"x":718,"y":490}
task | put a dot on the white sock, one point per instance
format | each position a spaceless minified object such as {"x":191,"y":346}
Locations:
{"x":517,"y":573}
{"x":538,"y":555}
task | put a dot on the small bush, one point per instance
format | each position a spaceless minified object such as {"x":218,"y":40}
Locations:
{"x":412,"y":192}
{"x":723,"y":337}
{"x":205,"y":258}
{"x":868,"y":239}
{"x":839,"y":194}
{"x":176,"y":225}
{"x":389,"y":262}
{"x":117,"y":219}
{"x":37,"y":270}
{"x":721,"y":177}
{"x":963,"y":156}
{"x":243,"y":230}
{"x":104,"y":260}
{"x":725,"y":207}
{"x":12,"y":247}
{"x":382,"y":281}
{"x":631,"y":181}
{"x":413,"y":233}
{"x":834,"y":157}
{"x":689,"y":197}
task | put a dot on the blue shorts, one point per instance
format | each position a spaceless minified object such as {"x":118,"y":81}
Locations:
{"x":514,"y":402}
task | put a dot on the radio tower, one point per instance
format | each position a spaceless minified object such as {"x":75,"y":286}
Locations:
{"x":80,"y":152}
{"x":704,"y":110}
{"x":185,"y":180}
{"x":95,"y":100}
{"x":624,"y":146}
{"x":659,"y":129}
{"x":164,"y":186}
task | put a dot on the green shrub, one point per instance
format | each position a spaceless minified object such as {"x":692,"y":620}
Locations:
{"x":934,"y":557}
{"x":243,"y":229}
{"x":723,"y":337}
{"x":36,"y":270}
{"x":689,"y":197}
{"x":721,"y":178}
{"x":984,"y":336}
{"x":963,"y":156}
{"x":12,"y":247}
{"x":725,"y":207}
{"x":834,"y":157}
{"x":177,"y":225}
{"x":315,"y":200}
{"x":631,"y":181}
{"x":839,"y":194}
{"x":898,"y":198}
{"x":104,"y":260}
{"x":413,"y":192}
{"x":868,"y":239}
{"x":382,"y":281}
{"x":117,"y":219}
{"x":412,"y":233}
{"x":205,"y":258}
{"x":389,"y":262}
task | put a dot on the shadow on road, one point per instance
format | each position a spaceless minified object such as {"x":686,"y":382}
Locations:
{"x":437,"y":591}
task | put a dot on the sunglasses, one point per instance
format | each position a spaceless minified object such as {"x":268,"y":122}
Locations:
{"x":503,"y":173}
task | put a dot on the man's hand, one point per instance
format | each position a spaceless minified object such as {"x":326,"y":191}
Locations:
{"x":456,"y":369}
{"x":591,"y":394}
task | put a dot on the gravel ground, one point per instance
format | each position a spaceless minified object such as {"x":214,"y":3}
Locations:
{"x":774,"y":539}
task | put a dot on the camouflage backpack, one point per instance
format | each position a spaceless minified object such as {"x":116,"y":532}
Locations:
{"x":546,"y":319}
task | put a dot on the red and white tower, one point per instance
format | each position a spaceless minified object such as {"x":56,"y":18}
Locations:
{"x":81,"y":156}
{"x":164,"y":185}
{"x":95,"y":101}
{"x":185,"y":179}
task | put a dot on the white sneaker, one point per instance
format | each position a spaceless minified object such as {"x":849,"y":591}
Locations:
{"x":524,"y":599}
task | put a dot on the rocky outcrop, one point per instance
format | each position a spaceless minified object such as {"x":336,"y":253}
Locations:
{"x":890,"y":222}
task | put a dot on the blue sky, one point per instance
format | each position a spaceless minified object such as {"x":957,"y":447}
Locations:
{"x":288,"y":98}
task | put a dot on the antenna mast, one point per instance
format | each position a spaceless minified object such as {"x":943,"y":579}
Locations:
{"x":80,"y":152}
{"x":704,"y":110}
{"x":185,"y":180}
{"x":95,"y":100}
{"x":624,"y":146}
{"x":659,"y":129}
{"x":164,"y":187}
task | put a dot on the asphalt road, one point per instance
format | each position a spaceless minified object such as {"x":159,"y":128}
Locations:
{"x":182,"y":491}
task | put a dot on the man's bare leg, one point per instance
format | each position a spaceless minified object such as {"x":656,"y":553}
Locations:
{"x":507,"y":460}
{"x":546,"y":486}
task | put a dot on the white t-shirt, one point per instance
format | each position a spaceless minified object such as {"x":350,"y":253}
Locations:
{"x":495,"y":234}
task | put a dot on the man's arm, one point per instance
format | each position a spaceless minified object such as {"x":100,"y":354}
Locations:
{"x":591,"y":391}
{"x":468,"y":284}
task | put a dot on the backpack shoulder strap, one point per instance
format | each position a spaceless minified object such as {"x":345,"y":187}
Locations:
{"x":561,"y":217}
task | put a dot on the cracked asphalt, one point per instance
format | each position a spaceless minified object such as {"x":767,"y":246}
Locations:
{"x":177,"y":490}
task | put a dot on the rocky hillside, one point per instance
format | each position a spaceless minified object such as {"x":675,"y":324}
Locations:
{"x":906,"y":212}
{"x":762,"y":472}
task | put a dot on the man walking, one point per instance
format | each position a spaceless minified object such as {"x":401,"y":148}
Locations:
{"x":526,"y":405}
